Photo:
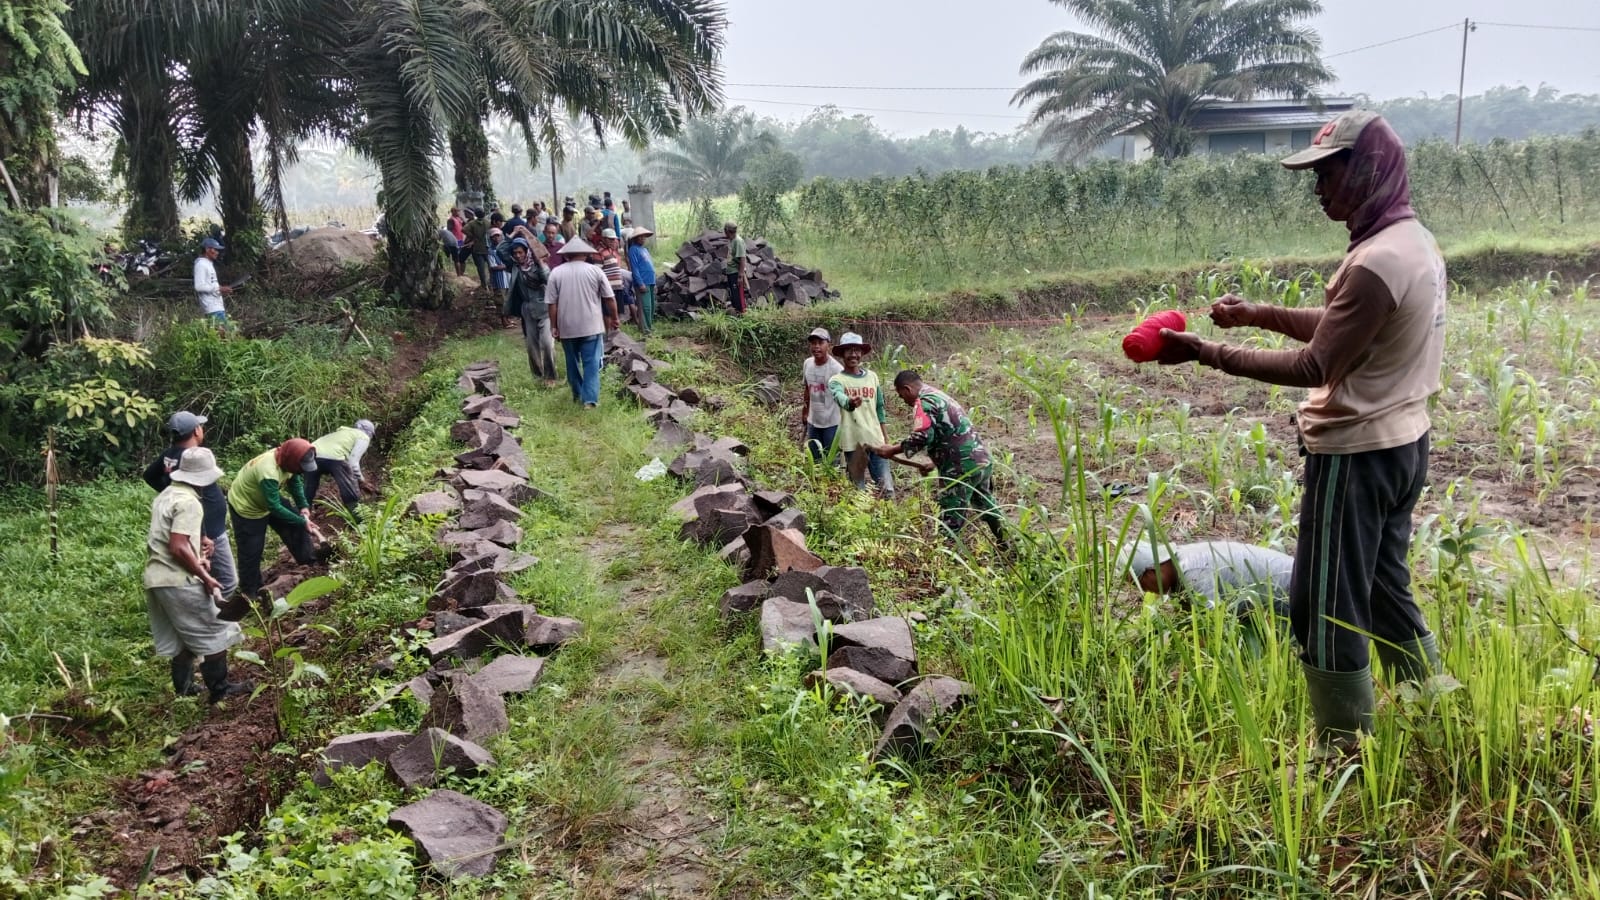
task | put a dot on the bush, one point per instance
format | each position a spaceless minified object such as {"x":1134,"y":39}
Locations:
{"x":48,"y":292}
{"x":261,"y":392}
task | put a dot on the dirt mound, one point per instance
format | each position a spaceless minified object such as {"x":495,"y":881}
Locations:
{"x":322,"y":249}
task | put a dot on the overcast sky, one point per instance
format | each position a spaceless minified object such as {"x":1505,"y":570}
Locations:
{"x":917,"y":43}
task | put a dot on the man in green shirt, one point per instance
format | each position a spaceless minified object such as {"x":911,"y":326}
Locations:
{"x":339,"y":457}
{"x":735,"y":267}
{"x":256,"y":501}
{"x":180,"y":593}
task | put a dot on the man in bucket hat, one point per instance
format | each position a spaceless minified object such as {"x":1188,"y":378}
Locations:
{"x":1371,"y":359}
{"x":188,"y":430}
{"x":181,"y":594}
{"x":859,"y":396}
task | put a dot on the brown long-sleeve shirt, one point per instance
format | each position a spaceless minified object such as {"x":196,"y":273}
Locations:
{"x":1372,"y":352}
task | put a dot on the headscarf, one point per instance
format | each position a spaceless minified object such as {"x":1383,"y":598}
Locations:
{"x":528,"y":264}
{"x":290,"y":453}
{"x":1377,"y":174}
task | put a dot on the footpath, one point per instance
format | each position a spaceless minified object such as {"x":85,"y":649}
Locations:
{"x":623,"y":760}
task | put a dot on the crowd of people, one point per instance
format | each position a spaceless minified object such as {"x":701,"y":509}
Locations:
{"x":1371,"y":360}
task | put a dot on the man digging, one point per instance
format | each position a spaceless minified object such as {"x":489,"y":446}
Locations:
{"x":189,"y":430}
{"x":940,"y":427}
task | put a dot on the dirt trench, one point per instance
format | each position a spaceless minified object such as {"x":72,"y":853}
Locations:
{"x":221,"y":775}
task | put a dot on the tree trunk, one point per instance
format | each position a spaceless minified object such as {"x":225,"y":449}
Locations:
{"x":469,"y":151}
{"x":151,"y":155}
{"x":416,"y":270}
{"x":243,"y":219}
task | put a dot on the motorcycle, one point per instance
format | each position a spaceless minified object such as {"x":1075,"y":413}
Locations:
{"x":147,"y":260}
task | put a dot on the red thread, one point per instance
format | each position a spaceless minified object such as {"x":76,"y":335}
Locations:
{"x":1143,"y":343}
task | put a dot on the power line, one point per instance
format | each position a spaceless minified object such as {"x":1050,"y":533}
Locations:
{"x":866,"y":87}
{"x":936,"y":88}
{"x":1392,"y":40}
{"x":1540,"y":27}
{"x":915,"y":112}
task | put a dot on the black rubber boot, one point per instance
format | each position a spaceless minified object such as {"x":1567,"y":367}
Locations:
{"x":1415,"y":660}
{"x":183,"y":676}
{"x":214,"y":669}
{"x":1342,"y":704}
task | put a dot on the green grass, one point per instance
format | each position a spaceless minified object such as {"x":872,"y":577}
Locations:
{"x":1121,"y":747}
{"x":1118,"y":746}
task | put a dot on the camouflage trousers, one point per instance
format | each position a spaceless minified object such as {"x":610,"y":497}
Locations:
{"x":971,"y":494}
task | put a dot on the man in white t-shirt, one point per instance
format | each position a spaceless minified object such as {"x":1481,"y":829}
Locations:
{"x":582,"y":308}
{"x":1243,"y":576}
{"x":819,"y":414}
{"x":207,"y":289}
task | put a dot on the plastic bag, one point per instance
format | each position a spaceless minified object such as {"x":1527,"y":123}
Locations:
{"x":652,"y":470}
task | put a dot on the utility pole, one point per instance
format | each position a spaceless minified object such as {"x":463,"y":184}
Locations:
{"x":1461,"y":86}
{"x":555,"y":195}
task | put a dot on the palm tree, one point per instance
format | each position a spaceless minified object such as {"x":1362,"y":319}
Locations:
{"x":38,"y":61}
{"x":130,"y":48}
{"x":708,"y":158}
{"x":398,"y":80}
{"x":424,"y":69}
{"x":1157,"y":63}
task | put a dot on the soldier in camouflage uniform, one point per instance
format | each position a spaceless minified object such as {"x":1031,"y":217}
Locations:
{"x":940,"y":427}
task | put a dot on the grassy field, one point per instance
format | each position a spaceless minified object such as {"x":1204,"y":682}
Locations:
{"x":1119,"y":745}
{"x":1146,"y":748}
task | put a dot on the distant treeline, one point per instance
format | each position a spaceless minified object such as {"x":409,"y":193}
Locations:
{"x":839,"y":146}
{"x":832,"y":143}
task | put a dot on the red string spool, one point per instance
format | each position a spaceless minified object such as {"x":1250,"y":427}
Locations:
{"x":1143,"y":343}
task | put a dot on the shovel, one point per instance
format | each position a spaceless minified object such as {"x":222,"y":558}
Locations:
{"x":232,"y":610}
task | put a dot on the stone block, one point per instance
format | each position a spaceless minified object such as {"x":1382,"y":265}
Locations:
{"x":434,"y":503}
{"x":419,"y":762}
{"x":510,"y":674}
{"x":914,"y":723}
{"x":775,"y":551}
{"x":457,"y":836}
{"x":467,"y":709}
{"x":786,"y":626}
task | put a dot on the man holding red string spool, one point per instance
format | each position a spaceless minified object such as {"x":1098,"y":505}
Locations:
{"x":1371,"y":361}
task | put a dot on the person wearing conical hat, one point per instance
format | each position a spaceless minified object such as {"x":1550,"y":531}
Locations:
{"x":582,"y":309}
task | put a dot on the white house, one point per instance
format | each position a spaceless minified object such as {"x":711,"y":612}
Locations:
{"x":1274,"y":127}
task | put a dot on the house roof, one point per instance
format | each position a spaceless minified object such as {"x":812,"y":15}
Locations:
{"x":1265,"y":115}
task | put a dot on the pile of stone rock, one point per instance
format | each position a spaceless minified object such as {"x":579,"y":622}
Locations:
{"x":697,"y":281}
{"x":804,"y":605}
{"x":474,"y":611}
